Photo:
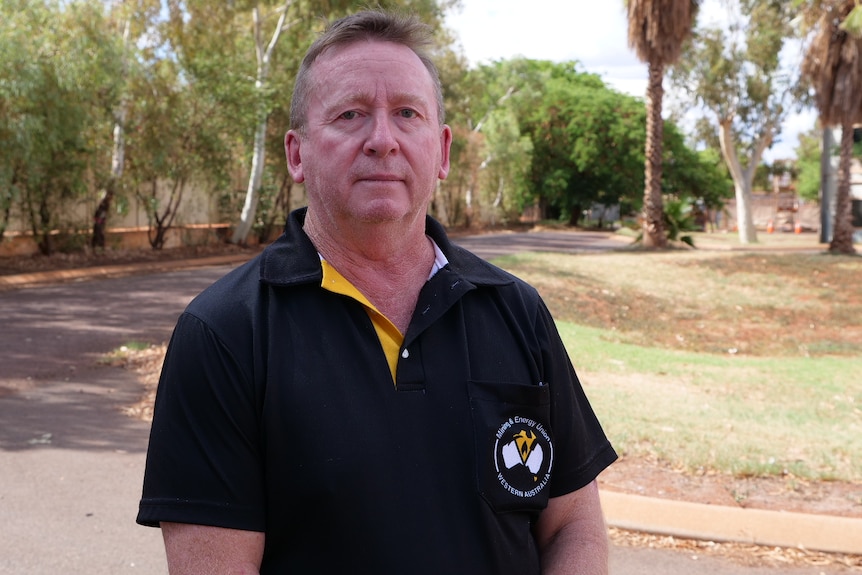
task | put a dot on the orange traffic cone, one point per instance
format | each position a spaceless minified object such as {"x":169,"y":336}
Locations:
{"x":798,"y":228}
{"x":769,"y":227}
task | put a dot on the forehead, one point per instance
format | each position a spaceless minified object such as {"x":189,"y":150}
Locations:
{"x":363,"y":62}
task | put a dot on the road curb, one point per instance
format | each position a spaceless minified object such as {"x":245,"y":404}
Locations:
{"x":17,"y":281}
{"x":687,"y":520}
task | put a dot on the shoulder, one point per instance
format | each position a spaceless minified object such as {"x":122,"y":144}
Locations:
{"x":471,"y":267}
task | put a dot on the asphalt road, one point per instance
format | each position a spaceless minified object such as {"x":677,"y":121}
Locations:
{"x":71,"y":463}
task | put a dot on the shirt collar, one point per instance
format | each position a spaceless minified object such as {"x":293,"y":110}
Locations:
{"x":293,"y":260}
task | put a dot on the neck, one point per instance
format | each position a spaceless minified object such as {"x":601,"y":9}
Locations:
{"x":388,"y":263}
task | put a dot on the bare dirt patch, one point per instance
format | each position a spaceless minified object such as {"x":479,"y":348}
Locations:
{"x":653,"y":478}
{"x":775,"y":305}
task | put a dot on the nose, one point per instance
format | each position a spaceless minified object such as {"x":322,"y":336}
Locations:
{"x":381,"y":141}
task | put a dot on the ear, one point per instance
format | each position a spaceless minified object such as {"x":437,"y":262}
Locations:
{"x":293,"y":155}
{"x":445,"y":145}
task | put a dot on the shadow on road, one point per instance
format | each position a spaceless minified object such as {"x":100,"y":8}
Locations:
{"x":53,"y":390}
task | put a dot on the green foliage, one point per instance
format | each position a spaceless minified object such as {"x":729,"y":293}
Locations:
{"x":853,"y":22}
{"x":176,"y":136}
{"x":737,"y":77}
{"x":588,"y":142}
{"x":490,"y":154}
{"x":679,"y":218}
{"x":548,"y":133}
{"x":187,"y":78}
{"x":525,"y":131}
{"x":808,"y":163}
{"x":56,"y":88}
{"x":700,"y":175}
{"x":507,"y":167}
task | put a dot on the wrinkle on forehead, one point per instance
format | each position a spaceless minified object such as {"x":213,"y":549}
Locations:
{"x":348,"y":65}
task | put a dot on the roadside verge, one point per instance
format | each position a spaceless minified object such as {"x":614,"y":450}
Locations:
{"x":730,"y":524}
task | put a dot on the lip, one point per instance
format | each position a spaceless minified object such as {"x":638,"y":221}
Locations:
{"x":380,"y":178}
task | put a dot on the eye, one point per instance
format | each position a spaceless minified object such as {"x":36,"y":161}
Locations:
{"x":407,"y":113}
{"x":349,"y":115}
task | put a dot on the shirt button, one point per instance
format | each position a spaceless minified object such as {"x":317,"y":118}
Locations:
{"x":405,"y":354}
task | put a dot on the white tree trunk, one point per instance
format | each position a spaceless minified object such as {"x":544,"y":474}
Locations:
{"x":118,"y":153}
{"x":249,"y":208}
{"x":264,"y":57}
{"x":742,"y":178}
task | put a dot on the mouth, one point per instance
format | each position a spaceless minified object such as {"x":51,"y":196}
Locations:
{"x":380,"y":178}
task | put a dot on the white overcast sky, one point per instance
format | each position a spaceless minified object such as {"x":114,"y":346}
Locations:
{"x":592,"y":32}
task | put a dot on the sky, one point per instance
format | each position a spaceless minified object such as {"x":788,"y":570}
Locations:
{"x":593,"y":32}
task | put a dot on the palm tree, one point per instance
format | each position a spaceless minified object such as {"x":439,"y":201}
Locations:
{"x":657,"y":31}
{"x":833,"y":62}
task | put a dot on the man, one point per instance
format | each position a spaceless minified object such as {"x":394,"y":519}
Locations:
{"x":366,"y":397}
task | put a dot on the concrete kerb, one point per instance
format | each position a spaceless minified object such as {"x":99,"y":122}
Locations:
{"x":825,"y":533}
{"x":687,"y":520}
{"x":117,"y":270}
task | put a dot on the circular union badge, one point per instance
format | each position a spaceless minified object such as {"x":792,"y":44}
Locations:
{"x":523,"y":454}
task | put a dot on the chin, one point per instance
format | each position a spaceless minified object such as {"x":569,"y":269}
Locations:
{"x":381,"y":212}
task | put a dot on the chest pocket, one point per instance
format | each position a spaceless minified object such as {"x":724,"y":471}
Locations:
{"x":514,"y":445}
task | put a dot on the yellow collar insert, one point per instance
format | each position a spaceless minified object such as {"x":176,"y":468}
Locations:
{"x":390,"y":338}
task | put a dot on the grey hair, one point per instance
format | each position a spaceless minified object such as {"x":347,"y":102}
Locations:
{"x":406,"y":30}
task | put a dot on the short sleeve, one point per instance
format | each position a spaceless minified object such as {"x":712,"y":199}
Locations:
{"x":583,"y":449}
{"x":204,"y":462}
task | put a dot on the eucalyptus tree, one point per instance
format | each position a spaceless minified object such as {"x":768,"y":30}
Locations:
{"x":657,"y":30}
{"x":734,"y":72}
{"x":834,"y":64}
{"x":265,"y":41}
{"x":238,"y":53}
{"x":459,"y":94}
{"x":56,"y":81}
{"x":129,"y":27}
{"x":247,"y":52}
{"x":16,"y":77}
{"x":492,"y":154}
{"x":506,"y":166}
{"x":176,"y":140}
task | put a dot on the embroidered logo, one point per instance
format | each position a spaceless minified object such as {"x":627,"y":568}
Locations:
{"x":523,"y":453}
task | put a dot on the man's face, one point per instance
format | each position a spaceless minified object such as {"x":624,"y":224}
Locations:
{"x":373,"y":147}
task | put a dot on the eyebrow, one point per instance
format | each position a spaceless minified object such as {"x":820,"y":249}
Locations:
{"x":366,"y":98}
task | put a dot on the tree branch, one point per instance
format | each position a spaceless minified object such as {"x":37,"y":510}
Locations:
{"x":278,"y":29}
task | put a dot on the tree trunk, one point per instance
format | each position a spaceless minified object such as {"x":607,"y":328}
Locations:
{"x":742,"y":178}
{"x":842,"y":237}
{"x":827,"y":186}
{"x":264,"y":57}
{"x":575,"y":216}
{"x":744,"y":217}
{"x":46,"y":243}
{"x":653,"y":213}
{"x":249,"y":208}
{"x":100,"y":217}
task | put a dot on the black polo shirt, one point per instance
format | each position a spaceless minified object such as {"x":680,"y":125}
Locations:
{"x":276,"y":412}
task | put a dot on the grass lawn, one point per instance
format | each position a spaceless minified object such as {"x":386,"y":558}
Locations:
{"x":742,"y":362}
